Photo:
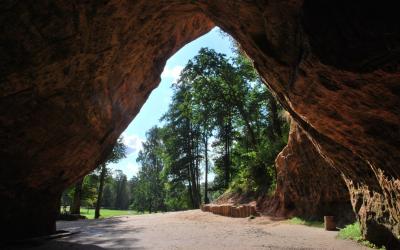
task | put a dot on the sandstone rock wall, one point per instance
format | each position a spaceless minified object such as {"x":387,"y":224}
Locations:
{"x":72,"y":77}
{"x":74,"y":74}
{"x":307,"y":186}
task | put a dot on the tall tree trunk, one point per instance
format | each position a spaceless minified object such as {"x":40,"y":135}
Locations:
{"x":76,"y":203}
{"x":276,"y":123}
{"x":190,"y":190}
{"x":206,"y":200}
{"x":194,"y":185}
{"x":226,"y":159}
{"x":100,"y":193}
{"x":189,"y":170}
{"x":198,"y":170}
{"x":150,"y":206}
{"x":227,"y":152}
{"x":192,"y":166}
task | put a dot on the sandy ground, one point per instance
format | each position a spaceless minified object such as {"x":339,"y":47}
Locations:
{"x":191,"y":230}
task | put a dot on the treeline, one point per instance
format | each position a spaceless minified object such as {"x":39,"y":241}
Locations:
{"x":116,"y":192}
{"x":100,"y":188}
{"x":222,"y":119}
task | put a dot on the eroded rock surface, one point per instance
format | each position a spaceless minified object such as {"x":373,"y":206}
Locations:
{"x":307,"y":186}
{"x":74,"y":74}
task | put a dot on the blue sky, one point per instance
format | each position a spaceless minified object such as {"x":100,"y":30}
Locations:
{"x":157,"y":103}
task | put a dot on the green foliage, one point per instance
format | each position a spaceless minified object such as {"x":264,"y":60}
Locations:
{"x":66,"y":199}
{"x":118,"y":152}
{"x":353,"y":232}
{"x":115,"y":195}
{"x":217,"y":193}
{"x":106,"y":213}
{"x":243,"y":117}
{"x":148,"y":188}
{"x":121,"y":191}
{"x":89,"y":190}
{"x":310,"y":223}
{"x":176,"y":197}
{"x":109,"y":194}
{"x":219,"y":100}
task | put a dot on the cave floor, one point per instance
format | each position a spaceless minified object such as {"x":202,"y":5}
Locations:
{"x":191,"y":230}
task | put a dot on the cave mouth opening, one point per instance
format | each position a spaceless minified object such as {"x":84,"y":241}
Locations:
{"x":71,"y":85}
{"x":295,"y":200}
{"x":239,"y":129}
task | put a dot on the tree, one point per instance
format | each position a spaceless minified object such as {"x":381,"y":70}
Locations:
{"x":76,"y":203}
{"x":89,"y":190}
{"x":66,"y":199}
{"x":229,"y":99}
{"x":149,"y":188}
{"x":182,"y":140}
{"x":108,"y":199}
{"x":221,"y":103}
{"x":118,"y":153}
{"x":122,"y":193}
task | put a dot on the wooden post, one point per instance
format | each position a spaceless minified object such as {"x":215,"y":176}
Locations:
{"x":330,"y":224}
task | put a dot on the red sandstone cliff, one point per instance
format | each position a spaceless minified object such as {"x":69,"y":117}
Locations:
{"x":74,"y":74}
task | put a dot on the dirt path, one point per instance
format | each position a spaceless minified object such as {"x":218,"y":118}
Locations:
{"x":193,"y":230}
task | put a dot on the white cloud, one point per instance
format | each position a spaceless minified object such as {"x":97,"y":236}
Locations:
{"x":133,"y":143}
{"x":132,"y":168}
{"x":172,"y":72}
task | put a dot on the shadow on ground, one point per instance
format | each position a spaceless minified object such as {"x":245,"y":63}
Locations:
{"x":110,"y":233}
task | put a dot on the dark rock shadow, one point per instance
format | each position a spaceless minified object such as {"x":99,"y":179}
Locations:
{"x":107,"y":233}
{"x":60,"y":245}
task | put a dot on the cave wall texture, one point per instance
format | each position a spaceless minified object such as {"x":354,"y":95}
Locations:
{"x":73,"y":74}
{"x":307,"y":186}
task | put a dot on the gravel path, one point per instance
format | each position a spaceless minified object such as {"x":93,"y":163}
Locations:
{"x":193,"y":230}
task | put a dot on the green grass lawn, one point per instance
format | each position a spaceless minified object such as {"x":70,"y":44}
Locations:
{"x":105,"y":213}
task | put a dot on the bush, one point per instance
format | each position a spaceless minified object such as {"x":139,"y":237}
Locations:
{"x":353,"y":232}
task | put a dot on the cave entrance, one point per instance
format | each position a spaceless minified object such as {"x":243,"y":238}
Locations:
{"x":246,"y":142}
{"x":73,"y":76}
{"x":211,"y":125}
